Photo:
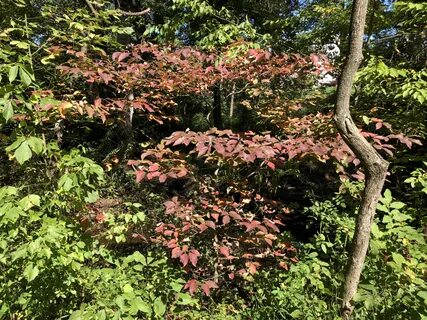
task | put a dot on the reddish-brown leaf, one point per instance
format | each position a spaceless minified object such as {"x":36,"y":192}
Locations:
{"x":225,"y":219}
{"x":139,"y":175}
{"x":191,"y":286}
{"x":176,"y":252}
{"x":207,"y":285}
{"x":193,"y":255}
{"x":210,"y":224}
{"x":224,"y":251}
{"x":252,"y":266}
{"x":122,"y":56}
{"x":271,"y":165}
{"x":100,"y":217}
{"x":184,"y":259}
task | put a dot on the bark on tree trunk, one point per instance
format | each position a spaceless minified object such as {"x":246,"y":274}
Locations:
{"x":374,"y":165}
{"x":216,"y":111}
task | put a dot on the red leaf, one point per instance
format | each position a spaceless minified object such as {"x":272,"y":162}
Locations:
{"x":231,"y":276}
{"x":208,"y":285}
{"x":235,"y":215}
{"x":271,"y":225}
{"x":210,"y":224}
{"x":182,"y":173}
{"x":191,"y":285}
{"x":162,"y":178}
{"x":262,"y":228}
{"x":176,"y":252}
{"x":224,"y":251}
{"x":184,"y":259}
{"x":186,"y":227}
{"x":251,"y":225}
{"x":215,"y":216}
{"x":271,"y":165}
{"x":139,"y":175}
{"x":100,"y":217}
{"x":193,"y":257}
{"x":225,"y":220}
{"x":202,"y":227}
{"x":123,"y":56}
{"x":153,"y":167}
{"x":172,"y":244}
{"x":252,"y":266}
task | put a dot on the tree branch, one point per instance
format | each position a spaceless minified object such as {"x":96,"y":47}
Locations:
{"x":374,"y":165}
{"x":91,"y":7}
{"x":133,"y":14}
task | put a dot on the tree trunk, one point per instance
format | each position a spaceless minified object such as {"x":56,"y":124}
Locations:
{"x":216,"y":111}
{"x":374,"y":165}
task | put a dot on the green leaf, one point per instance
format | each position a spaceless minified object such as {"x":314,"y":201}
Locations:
{"x":387,"y":198}
{"x":398,"y":259}
{"x":91,"y":197}
{"x":23,"y":153}
{"x":296,"y":314}
{"x":36,"y":144}
{"x":31,"y":272}
{"x":20,"y":44}
{"x":140,"y":305}
{"x":423,"y":295}
{"x":15,"y":145}
{"x":127,"y":288}
{"x":13,"y":73}
{"x":159,"y":307}
{"x":26,"y":77}
{"x":29,"y":201}
{"x":185,"y":299}
{"x":7,"y":110}
{"x":397,"y":205}
{"x":101,"y":315}
{"x":366,"y":120}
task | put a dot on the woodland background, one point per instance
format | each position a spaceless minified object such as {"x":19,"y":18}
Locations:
{"x":178,"y":159}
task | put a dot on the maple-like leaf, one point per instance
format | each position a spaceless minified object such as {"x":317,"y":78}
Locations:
{"x":191,"y":286}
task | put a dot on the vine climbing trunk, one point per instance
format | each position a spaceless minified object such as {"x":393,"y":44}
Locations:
{"x":374,"y":165}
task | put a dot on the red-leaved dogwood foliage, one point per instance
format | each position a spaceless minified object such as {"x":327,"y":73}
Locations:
{"x":214,"y":236}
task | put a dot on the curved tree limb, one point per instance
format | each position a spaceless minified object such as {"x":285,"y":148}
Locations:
{"x":134,"y":14}
{"x":374,"y":165}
